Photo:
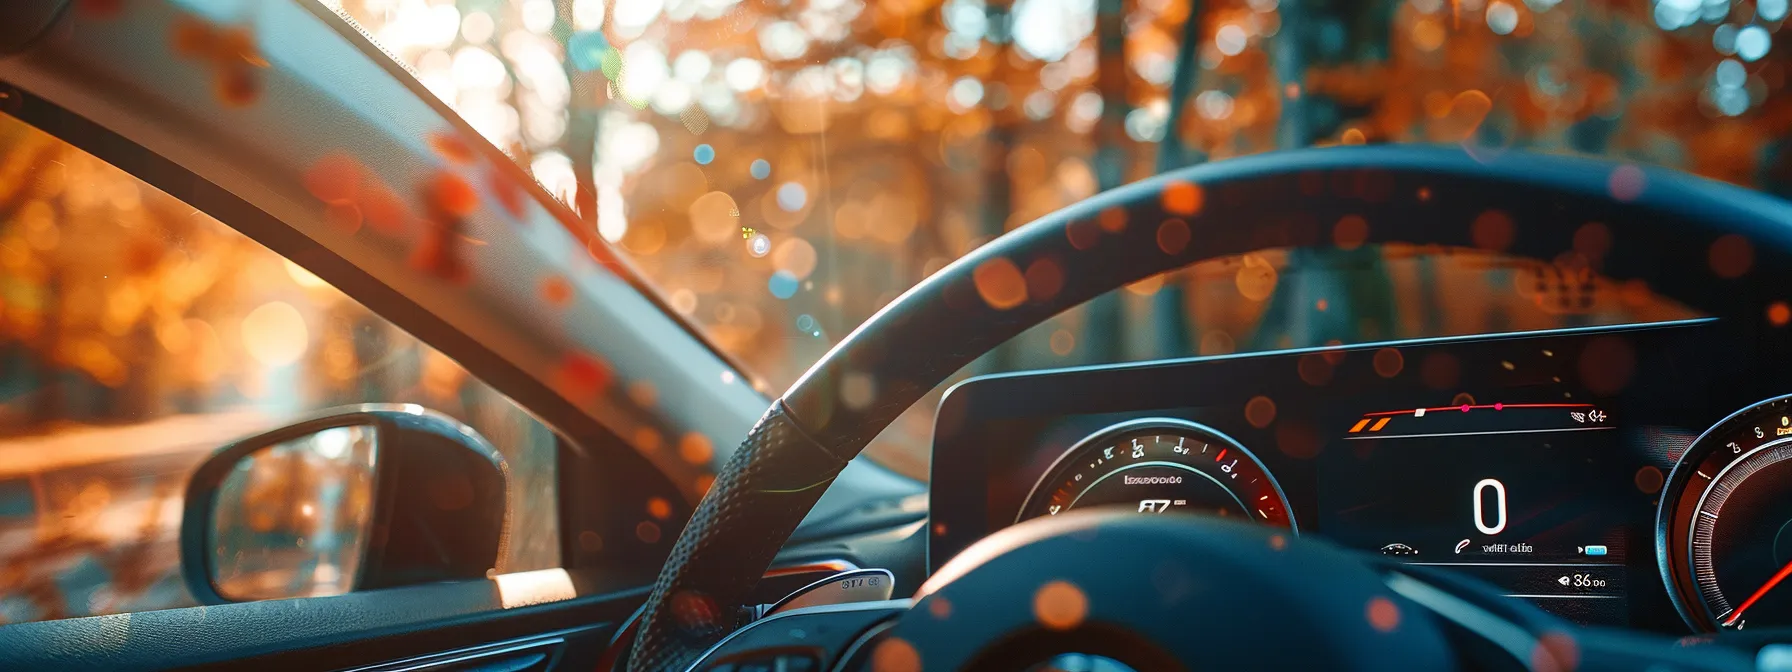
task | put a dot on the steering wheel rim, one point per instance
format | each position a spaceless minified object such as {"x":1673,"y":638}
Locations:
{"x":1508,"y":202}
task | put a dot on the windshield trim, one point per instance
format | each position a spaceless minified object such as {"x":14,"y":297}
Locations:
{"x":600,"y":250}
{"x":1346,"y":347}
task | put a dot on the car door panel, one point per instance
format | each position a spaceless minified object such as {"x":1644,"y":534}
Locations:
{"x":355,"y":630}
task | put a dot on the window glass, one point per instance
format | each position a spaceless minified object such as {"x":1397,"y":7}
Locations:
{"x":137,"y":335}
{"x":781,"y":170}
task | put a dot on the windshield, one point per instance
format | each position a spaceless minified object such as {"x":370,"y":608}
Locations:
{"x":780,"y":170}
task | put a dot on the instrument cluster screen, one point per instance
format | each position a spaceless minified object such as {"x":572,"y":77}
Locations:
{"x":1530,"y":467}
{"x":1521,"y":495}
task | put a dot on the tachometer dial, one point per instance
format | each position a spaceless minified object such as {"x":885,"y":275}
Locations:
{"x":1158,"y":466}
{"x":1727,"y":525}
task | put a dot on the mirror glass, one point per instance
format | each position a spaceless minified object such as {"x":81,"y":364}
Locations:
{"x":292,"y":519}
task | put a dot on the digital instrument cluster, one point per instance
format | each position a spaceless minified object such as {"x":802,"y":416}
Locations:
{"x":1572,"y":469}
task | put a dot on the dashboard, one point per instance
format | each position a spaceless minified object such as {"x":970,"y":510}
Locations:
{"x":1634,"y":476}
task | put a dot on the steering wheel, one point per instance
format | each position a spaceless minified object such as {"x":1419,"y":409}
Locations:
{"x":1715,"y":248}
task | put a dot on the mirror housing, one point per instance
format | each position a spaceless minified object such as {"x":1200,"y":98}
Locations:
{"x":435,"y":511}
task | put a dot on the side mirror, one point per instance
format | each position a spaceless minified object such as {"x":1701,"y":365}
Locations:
{"x":354,"y":498}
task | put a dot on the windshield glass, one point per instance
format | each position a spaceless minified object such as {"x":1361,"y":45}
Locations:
{"x":782,"y":169}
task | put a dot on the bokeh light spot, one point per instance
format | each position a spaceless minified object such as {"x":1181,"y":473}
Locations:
{"x":696,"y":448}
{"x":1260,"y":411}
{"x":1256,"y":278}
{"x":792,"y":197}
{"x":794,"y":256}
{"x":236,"y":86}
{"x":580,"y":375}
{"x":1147,"y":286}
{"x":1383,"y":614}
{"x":643,"y":393}
{"x":858,"y":390}
{"x":1000,"y":283}
{"x":648,"y":439}
{"x":1555,"y":652}
{"x":1649,"y":480}
{"x":1731,"y":256}
{"x":1502,"y":18}
{"x":1335,"y":353}
{"x":1592,"y":240}
{"x":1753,"y":42}
{"x":1112,"y":220}
{"x":715,"y":217}
{"x":1060,"y":605}
{"x":275,"y":334}
{"x":1297,"y":441}
{"x":1388,"y":362}
{"x":335,"y":178}
{"x":1350,"y":232}
{"x":760,"y":169}
{"x":703,"y":154}
{"x":1314,"y":370}
{"x":1218,"y":342}
{"x":1626,"y":183}
{"x":659,"y":508}
{"x":451,"y":146}
{"x":1463,"y":118}
{"x":1044,"y":279}
{"x":383,"y":210}
{"x":1428,"y":34}
{"x":343,"y":216}
{"x":1493,"y":231}
{"x":647,"y":532}
{"x":939,"y":608}
{"x":782,"y":284}
{"x":1173,"y":236}
{"x":1182,"y":198}
{"x":1082,"y":233}
{"x":1063,"y":342}
{"x":895,"y":655}
{"x":450,"y":195}
{"x":556,"y":291}
{"x":688,"y":608}
{"x":1778,"y":314}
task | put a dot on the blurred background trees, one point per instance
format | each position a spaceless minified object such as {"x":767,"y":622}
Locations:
{"x":782,"y":169}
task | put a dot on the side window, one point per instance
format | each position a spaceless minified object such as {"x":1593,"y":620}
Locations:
{"x":137,"y":335}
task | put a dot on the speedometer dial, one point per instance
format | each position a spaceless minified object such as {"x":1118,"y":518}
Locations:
{"x":1729,"y":524}
{"x":1159,"y":466}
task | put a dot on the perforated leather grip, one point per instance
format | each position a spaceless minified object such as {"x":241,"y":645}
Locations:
{"x":757,"y":500}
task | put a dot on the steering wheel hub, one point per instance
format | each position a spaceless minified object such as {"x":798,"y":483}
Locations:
{"x":1161,"y":593}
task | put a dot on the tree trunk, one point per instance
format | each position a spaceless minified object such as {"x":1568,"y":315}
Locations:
{"x":580,"y":141}
{"x":1105,"y":331}
{"x":1169,"y":313}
